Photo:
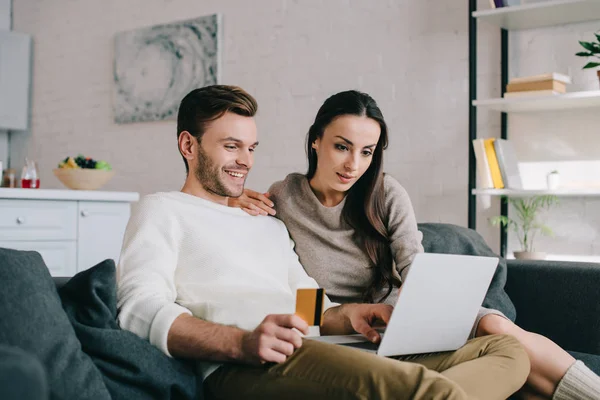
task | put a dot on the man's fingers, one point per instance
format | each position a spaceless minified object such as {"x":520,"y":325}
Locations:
{"x":290,"y":321}
{"x":283,"y":347}
{"x":271,"y":355}
{"x":289,"y":336}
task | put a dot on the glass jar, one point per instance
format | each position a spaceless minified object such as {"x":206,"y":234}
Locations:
{"x":10,"y":178}
{"x":30,"y":178}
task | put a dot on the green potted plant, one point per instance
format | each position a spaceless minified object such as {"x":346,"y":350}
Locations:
{"x":592,"y":50}
{"x":526,"y":224}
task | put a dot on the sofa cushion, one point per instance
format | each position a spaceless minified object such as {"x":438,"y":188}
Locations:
{"x":454,"y":239}
{"x":132,"y":367}
{"x":32,"y":319}
{"x":22,"y":375}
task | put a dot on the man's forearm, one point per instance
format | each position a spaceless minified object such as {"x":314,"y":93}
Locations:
{"x":335,"y":322}
{"x":191,"y":337}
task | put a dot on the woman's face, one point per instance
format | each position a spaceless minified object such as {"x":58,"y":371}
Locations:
{"x":345,"y":151}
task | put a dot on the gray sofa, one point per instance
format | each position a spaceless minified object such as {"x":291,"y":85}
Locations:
{"x":557,"y":299}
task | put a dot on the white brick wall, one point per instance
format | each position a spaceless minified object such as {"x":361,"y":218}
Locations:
{"x":410,"y":55}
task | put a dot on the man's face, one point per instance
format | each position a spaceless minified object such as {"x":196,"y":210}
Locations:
{"x":225,"y":155}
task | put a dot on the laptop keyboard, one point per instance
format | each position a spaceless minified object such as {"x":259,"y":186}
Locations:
{"x":363,"y":345}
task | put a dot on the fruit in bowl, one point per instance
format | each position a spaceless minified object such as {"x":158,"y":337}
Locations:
{"x":84,"y":162}
{"x":83,"y":173}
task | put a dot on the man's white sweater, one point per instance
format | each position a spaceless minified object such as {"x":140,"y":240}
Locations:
{"x":184,"y":254}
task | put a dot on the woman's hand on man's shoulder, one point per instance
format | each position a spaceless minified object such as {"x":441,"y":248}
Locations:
{"x":254,"y":203}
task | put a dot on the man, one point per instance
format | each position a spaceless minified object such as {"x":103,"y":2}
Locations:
{"x":205,"y":281}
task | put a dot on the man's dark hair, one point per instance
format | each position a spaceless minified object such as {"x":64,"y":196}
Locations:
{"x":204,"y":105}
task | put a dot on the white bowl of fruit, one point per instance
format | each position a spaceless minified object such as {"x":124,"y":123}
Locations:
{"x":83,"y":173}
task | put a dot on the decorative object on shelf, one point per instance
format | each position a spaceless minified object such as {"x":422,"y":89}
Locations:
{"x":553,"y":180}
{"x":526,"y":224}
{"x":30,"y":179}
{"x":538,"y":85}
{"x":593,"y":50}
{"x":83,"y":179}
{"x":155,"y":67}
{"x":9,"y":179}
{"x":83,"y":173}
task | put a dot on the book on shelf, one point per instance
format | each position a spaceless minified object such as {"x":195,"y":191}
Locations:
{"x":497,"y":3}
{"x":532,"y":93}
{"x":508,"y":163}
{"x":484,"y":174}
{"x":556,"y":86}
{"x":490,"y":152}
{"x":551,"y":76}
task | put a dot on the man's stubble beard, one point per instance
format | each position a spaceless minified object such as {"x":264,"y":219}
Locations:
{"x":210,"y":178}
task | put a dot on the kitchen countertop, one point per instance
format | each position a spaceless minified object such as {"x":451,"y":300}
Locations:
{"x":67,"y":194}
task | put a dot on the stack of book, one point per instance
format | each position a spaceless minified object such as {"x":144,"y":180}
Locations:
{"x":539,"y":85}
{"x":497,"y":165}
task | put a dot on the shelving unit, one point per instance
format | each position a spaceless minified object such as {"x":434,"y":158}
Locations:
{"x":539,"y":15}
{"x":557,"y":102}
{"x":594,"y":192}
{"x":526,"y":16}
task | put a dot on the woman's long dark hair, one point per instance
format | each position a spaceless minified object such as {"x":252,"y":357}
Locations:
{"x":365,"y":201}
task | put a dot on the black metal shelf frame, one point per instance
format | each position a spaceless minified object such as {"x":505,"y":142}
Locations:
{"x":472,"y":202}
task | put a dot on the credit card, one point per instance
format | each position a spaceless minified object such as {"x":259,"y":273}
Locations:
{"x":309,"y":305}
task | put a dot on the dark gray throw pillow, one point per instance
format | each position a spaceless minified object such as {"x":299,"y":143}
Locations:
{"x":454,"y":239}
{"x":132,"y":367}
{"x":32,"y":319}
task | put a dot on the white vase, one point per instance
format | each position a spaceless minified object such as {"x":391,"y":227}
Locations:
{"x":529,"y":255}
{"x":553,"y":181}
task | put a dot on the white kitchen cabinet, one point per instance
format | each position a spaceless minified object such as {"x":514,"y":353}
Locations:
{"x":15,"y":78}
{"x":101,"y":227}
{"x":60,"y":257}
{"x":72,"y":230}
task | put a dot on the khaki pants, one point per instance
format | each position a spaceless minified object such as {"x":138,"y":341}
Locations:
{"x":486,"y":368}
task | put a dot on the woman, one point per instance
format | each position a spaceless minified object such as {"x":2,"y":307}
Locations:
{"x":356,"y":232}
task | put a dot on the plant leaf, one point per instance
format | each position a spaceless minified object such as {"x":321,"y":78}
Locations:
{"x":588,"y":46}
{"x":591,"y":65}
{"x":597,"y":36}
{"x":546,"y":231}
{"x":584,"y":54}
{"x":499,"y":220}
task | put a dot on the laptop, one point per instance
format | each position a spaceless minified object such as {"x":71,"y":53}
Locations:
{"x":436,"y":308}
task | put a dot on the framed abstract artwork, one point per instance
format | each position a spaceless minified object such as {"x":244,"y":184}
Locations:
{"x":155,"y":67}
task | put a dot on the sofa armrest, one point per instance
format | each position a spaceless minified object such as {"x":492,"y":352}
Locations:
{"x":560,"y":300}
